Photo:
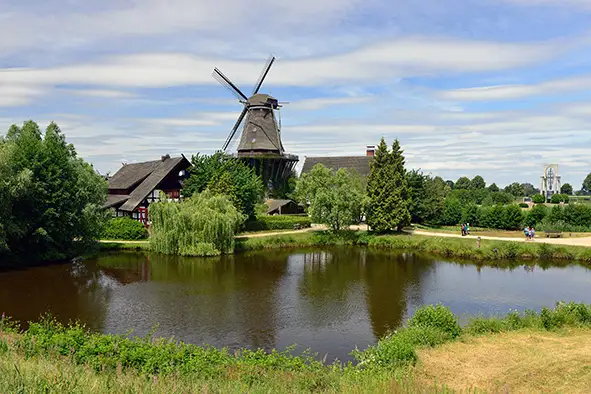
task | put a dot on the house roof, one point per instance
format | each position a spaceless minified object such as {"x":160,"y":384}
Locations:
{"x":115,"y":199}
{"x":132,"y":174}
{"x":150,"y":182}
{"x":358,"y":163}
{"x":275,"y":204}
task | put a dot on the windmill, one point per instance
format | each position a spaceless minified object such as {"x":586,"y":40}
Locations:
{"x":260,"y":138}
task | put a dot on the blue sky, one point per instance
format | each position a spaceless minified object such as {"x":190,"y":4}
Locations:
{"x":490,"y":87}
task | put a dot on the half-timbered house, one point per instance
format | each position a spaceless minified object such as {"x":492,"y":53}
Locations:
{"x":136,"y":185}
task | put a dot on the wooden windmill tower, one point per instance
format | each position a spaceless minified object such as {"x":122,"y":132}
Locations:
{"x":260,"y":143}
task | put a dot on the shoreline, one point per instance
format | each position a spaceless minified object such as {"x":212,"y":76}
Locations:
{"x":490,"y":250}
{"x":406,"y":358}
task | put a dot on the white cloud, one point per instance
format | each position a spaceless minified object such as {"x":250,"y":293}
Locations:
{"x":12,"y":95}
{"x":585,"y":4}
{"x":385,"y":60}
{"x":320,"y":103}
{"x":506,"y":92}
{"x":101,"y":93}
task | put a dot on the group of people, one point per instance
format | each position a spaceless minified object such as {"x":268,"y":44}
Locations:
{"x":465,"y":229}
{"x":529,"y":232}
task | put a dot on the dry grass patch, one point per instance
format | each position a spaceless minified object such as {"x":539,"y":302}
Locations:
{"x":515,"y":362}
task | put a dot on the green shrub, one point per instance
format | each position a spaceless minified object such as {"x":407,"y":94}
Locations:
{"x":124,"y":228}
{"x":558,"y":198}
{"x":523,"y":205}
{"x":436,"y":316}
{"x":278,"y":222}
{"x":538,"y":199}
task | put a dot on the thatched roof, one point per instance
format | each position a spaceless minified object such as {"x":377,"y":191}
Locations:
{"x":359,"y":164}
{"x":140,"y":179}
{"x":132,"y":174}
{"x":115,"y":199}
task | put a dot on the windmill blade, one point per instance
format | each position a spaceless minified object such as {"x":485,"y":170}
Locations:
{"x":266,"y":69}
{"x":225,"y":81}
{"x":235,"y":128}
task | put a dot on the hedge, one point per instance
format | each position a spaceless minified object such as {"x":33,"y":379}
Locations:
{"x":278,"y":222}
{"x":124,"y":228}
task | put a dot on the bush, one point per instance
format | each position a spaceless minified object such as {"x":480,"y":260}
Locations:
{"x":523,"y":205}
{"x":436,"y":316}
{"x":278,"y":222}
{"x":538,"y":199}
{"x":124,"y":228}
{"x":558,"y":198}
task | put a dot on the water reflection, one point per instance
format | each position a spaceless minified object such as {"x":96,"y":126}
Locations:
{"x":330,"y":300}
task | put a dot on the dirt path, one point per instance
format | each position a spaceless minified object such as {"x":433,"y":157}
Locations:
{"x":582,"y":241}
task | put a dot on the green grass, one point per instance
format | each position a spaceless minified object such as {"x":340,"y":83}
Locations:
{"x":490,"y":250}
{"x":51,"y":357}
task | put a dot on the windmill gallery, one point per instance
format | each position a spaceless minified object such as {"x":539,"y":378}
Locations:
{"x":258,"y":132}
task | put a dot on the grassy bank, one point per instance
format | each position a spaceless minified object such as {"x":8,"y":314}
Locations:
{"x":462,"y":248}
{"x":49,"y":357}
{"x":448,"y":247}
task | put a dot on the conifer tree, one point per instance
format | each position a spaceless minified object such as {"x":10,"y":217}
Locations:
{"x":388,"y":191}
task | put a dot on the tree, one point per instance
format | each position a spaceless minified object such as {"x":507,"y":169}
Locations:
{"x":516,"y":189}
{"x":528,"y":189}
{"x":202,"y":225}
{"x":587,"y":184}
{"x":387,"y":190}
{"x":333,"y":198}
{"x":538,"y":199}
{"x":451,"y":184}
{"x":513,"y":217}
{"x":416,"y":182}
{"x":536,"y":215}
{"x":224,"y":174}
{"x":502,"y":198}
{"x":436,"y":190}
{"x":493,"y":188}
{"x":52,"y":200}
{"x":463,"y":183}
{"x":452,"y":212}
{"x":477,"y":183}
{"x":566,"y":189}
{"x":470,"y":214}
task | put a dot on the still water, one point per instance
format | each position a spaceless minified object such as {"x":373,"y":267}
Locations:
{"x":329,"y":300}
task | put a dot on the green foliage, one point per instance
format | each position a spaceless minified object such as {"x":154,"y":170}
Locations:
{"x":538,"y":199}
{"x":523,"y":205}
{"x":463,"y":183}
{"x":558,"y":198}
{"x":335,"y":198}
{"x":452,"y":212}
{"x":202,"y":225}
{"x":513,"y":217}
{"x":438,"y":317}
{"x":50,"y":199}
{"x":278,"y":222}
{"x":536,"y":215}
{"x":427,"y":196}
{"x":528,"y":189}
{"x":477,"y":183}
{"x":493,"y":188}
{"x":516,"y":189}
{"x":502,"y":198}
{"x":124,"y":228}
{"x":566,"y":189}
{"x":387,"y":190}
{"x":226,"y":175}
{"x":587,"y":184}
{"x":471,"y":214}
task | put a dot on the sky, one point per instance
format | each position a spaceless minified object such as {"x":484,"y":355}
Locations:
{"x":496,"y":88}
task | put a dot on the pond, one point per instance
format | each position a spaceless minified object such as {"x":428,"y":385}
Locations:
{"x":329,"y":300}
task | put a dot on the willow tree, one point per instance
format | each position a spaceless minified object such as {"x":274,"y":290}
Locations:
{"x":203,"y":225}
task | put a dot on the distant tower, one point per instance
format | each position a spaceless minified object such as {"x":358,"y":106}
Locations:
{"x":550,"y":181}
